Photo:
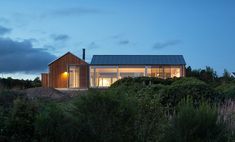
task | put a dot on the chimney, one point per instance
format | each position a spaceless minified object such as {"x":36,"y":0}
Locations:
{"x":83,"y":54}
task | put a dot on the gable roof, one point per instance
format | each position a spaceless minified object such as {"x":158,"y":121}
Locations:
{"x":138,"y":60}
{"x":68,"y":53}
{"x":233,"y":74}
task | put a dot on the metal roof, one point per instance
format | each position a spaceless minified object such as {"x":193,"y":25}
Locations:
{"x":138,"y":60}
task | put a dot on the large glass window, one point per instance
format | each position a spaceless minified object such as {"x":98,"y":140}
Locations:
{"x":131,"y":72}
{"x":103,"y":76}
{"x":148,"y":71}
{"x":167,"y":72}
{"x":157,"y":72}
{"x":73,"y":77}
{"x":92,"y":77}
{"x":175,"y":72}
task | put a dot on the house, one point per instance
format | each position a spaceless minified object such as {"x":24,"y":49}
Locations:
{"x":233,"y":74}
{"x":106,"y":69}
{"x":69,"y":71}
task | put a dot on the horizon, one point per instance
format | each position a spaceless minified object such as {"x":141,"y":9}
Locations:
{"x":33,"y":34}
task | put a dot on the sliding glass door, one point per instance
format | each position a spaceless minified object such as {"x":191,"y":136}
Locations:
{"x":74,"y":77}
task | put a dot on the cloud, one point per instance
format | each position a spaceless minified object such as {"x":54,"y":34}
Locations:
{"x":92,"y":45}
{"x":4,"y":30}
{"x":117,"y":36}
{"x":18,"y":56}
{"x":75,"y":11}
{"x":161,"y":45}
{"x":61,"y":37}
{"x":4,"y":20}
{"x":123,"y":42}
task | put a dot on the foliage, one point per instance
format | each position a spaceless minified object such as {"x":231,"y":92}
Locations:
{"x":54,"y":125}
{"x":133,"y":109}
{"x":207,"y":75}
{"x":7,"y":98}
{"x":196,"y":124}
{"x":20,"y":123}
{"x":150,"y":120}
{"x":9,"y":83}
{"x":105,"y":117}
{"x":226,"y":76}
{"x":185,"y":87}
{"x":133,"y":85}
{"x":227,"y":90}
{"x":129,"y":81}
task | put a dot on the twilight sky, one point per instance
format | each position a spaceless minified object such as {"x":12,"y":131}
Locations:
{"x":35,"y":32}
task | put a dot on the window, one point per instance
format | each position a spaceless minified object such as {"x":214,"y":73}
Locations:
{"x":175,"y":72}
{"x":102,"y":76}
{"x":92,"y":79}
{"x":73,"y":76}
{"x":157,"y":72}
{"x":167,"y":72}
{"x":148,"y":71}
{"x":131,"y":72}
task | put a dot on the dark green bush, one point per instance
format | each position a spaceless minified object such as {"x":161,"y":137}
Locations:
{"x":7,"y":98}
{"x":199,"y":124}
{"x":20,"y":123}
{"x":133,"y":85}
{"x":105,"y":117}
{"x":132,"y":109}
{"x":150,"y":121}
{"x":108,"y":116}
{"x":227,"y":90}
{"x":129,"y":81}
{"x":181,"y":89}
{"x":55,"y":125}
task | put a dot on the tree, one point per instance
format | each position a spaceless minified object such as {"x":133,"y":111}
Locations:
{"x":226,"y":76}
{"x":37,"y":82}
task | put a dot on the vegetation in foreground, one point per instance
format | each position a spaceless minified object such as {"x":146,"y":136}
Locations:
{"x":133,"y":109}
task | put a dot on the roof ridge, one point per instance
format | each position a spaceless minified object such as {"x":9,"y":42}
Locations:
{"x":63,"y":56}
{"x":140,"y":55}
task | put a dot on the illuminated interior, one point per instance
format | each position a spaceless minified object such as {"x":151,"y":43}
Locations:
{"x":131,"y":72}
{"x":74,"y":77}
{"x":102,"y":76}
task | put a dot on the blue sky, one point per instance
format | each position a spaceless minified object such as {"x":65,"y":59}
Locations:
{"x":201,"y":30}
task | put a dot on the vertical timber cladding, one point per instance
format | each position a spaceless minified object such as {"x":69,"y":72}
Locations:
{"x":44,"y":79}
{"x":84,"y":76}
{"x":58,"y":70}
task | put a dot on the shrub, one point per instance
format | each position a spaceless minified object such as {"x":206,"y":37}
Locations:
{"x":227,"y":90}
{"x":150,"y":120}
{"x":105,"y":117}
{"x":196,"y":124}
{"x":6,"y":107}
{"x":53,"y":124}
{"x":7,"y":98}
{"x":181,"y":89}
{"x":20,"y":123}
{"x":133,"y":85}
{"x":129,"y":81}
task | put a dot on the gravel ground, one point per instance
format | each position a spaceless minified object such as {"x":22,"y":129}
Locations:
{"x":46,"y":94}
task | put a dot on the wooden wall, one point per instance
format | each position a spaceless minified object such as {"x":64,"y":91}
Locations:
{"x":84,"y":76}
{"x":58,"y":70}
{"x":45,"y":80}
